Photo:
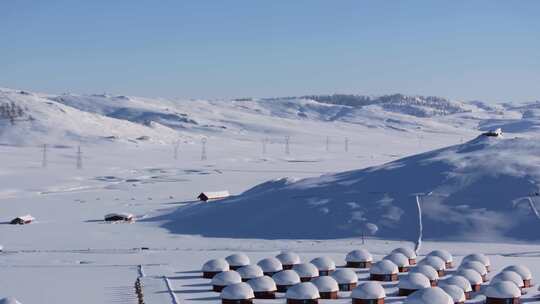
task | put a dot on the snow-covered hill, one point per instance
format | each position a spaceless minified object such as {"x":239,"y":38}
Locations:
{"x":477,"y":191}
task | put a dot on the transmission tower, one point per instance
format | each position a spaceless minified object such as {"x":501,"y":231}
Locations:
{"x":287,"y":148}
{"x":203,"y":151}
{"x":79,"y":157}
{"x":346,"y":144}
{"x":44,"y":156}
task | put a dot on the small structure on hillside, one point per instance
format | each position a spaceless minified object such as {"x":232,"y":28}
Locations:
{"x":306,"y":271}
{"x":237,"y":260}
{"x":523,"y":271}
{"x":249,"y":272}
{"x":224,"y":279}
{"x":119,"y":217}
{"x":479,"y":258}
{"x":360,"y":258}
{"x":270,"y":266}
{"x":22,"y":220}
{"x":493,"y":133}
{"x":408,"y":252}
{"x":435,"y":262}
{"x":455,"y":292}
{"x":412,"y":282}
{"x":368,"y":293}
{"x":288,"y":259}
{"x":400,"y":260}
{"x":384,"y":270}
{"x":429,"y":272}
{"x":264,"y":287}
{"x":346,"y":279}
{"x":461,"y":282}
{"x":431,"y":295}
{"x":327,"y":286}
{"x":303,"y":293}
{"x":285,"y":279}
{"x":213,"y":267}
{"x":474,"y":278}
{"x":215,"y":195}
{"x":444,"y":255}
{"x":476,"y":266}
{"x":325,"y":265}
{"x":240,"y":293}
{"x":502,"y":292}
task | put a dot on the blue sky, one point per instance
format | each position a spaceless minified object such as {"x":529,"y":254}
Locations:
{"x":487,"y":50}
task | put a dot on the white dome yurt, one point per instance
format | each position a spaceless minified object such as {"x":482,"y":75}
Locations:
{"x":270,"y":266}
{"x":285,"y":279}
{"x":306,"y":271}
{"x":263,"y":287}
{"x":384,"y":270}
{"x":303,"y":293}
{"x":327,"y":286}
{"x":479,"y":257}
{"x":249,"y":272}
{"x":435,"y":262}
{"x":524,"y":272}
{"x":288,"y":259}
{"x":412,"y":282}
{"x":508,"y":275}
{"x":455,"y":292}
{"x":445,"y":256}
{"x":429,"y":272}
{"x":502,"y":292}
{"x":431,"y":295}
{"x":473,"y":276}
{"x":225,"y":278}
{"x":359,"y":258}
{"x":239,"y":293}
{"x":213,"y":267}
{"x":408,"y":252}
{"x":401,"y":261}
{"x":237,"y":260}
{"x":346,"y":279}
{"x":368,"y":293}
{"x":325,"y":265}
{"x":476,"y":266}
{"x":461,"y":282}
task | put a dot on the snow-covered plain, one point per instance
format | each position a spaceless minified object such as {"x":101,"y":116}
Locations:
{"x":128,"y":165}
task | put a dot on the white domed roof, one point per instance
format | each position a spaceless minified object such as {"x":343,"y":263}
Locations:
{"x":9,"y":300}
{"x":238,"y":291}
{"x":368,"y":291}
{"x":286,"y":277}
{"x":433,"y":261}
{"x":414,"y":280}
{"x":455,"y":292}
{"x":384,"y":267}
{"x":426,"y":270}
{"x":475,"y":265}
{"x":502,"y":290}
{"x":443,"y":254}
{"x":345,"y":276}
{"x":459,"y":281}
{"x":288,"y":258}
{"x":306,"y":270}
{"x":432,"y":295}
{"x":398,"y":258}
{"x":408,"y":252}
{"x":238,"y":259}
{"x":325,"y":284}
{"x":226,"y":278}
{"x":359,"y":255}
{"x":270,"y":265}
{"x":477,"y":257}
{"x":303,"y":291}
{"x":261,"y":284}
{"x":508,"y":275}
{"x":324,"y":263}
{"x":250,"y":271}
{"x":215,"y":265}
{"x":523,"y":271}
{"x":470,"y":274}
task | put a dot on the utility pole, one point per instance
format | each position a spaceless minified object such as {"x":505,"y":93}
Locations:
{"x":176,"y":147}
{"x":79,"y":158}
{"x":203,"y":151}
{"x":327,"y":143}
{"x":44,"y":156}
{"x":287,"y":148}
{"x":346,"y":144}
{"x":264,"y":141}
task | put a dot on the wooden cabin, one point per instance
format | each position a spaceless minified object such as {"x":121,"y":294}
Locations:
{"x":207,"y":196}
{"x":22,"y":220}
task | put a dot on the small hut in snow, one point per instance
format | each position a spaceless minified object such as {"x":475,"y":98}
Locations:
{"x":384,"y":270}
{"x":455,"y":292}
{"x":431,"y":295}
{"x":249,"y":272}
{"x":119,"y":217}
{"x":474,"y":278}
{"x":288,"y":259}
{"x":429,"y":272}
{"x":511,"y":276}
{"x":400,"y":260}
{"x":306,"y":271}
{"x":408,"y":252}
{"x":445,"y":256}
{"x":523,"y":271}
{"x":224,"y":279}
{"x":360,"y":258}
{"x":479,"y":258}
{"x":270,"y":266}
{"x":263,"y":287}
{"x":412,"y":282}
{"x":476,"y":266}
{"x":325,"y":265}
{"x":303,"y":293}
{"x":22,"y":220}
{"x":239,"y":293}
{"x":493,"y":133}
{"x":207,"y":196}
{"x":435,"y":262}
{"x":327,"y":286}
{"x":285,"y":279}
{"x":213,"y":267}
{"x":368,"y":293}
{"x":237,"y":260}
{"x":346,"y":279}
{"x":461,"y":282}
{"x":502,"y":292}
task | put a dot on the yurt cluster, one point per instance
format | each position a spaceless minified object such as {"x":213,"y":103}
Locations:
{"x":434,"y":279}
